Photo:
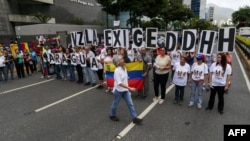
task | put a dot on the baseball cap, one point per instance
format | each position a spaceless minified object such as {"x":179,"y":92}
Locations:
{"x":200,"y":57}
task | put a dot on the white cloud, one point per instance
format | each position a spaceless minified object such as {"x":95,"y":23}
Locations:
{"x":233,"y":4}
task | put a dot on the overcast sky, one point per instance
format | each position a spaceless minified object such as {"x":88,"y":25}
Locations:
{"x":233,"y":4}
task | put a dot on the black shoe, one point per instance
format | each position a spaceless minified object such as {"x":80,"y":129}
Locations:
{"x":207,"y":109}
{"x":137,"y":120}
{"x":93,"y":84}
{"x":86,"y":84}
{"x":145,"y":96}
{"x":221,"y":112}
{"x":99,"y":87}
{"x":114,"y":118}
{"x":175,"y":102}
{"x":138,"y":96}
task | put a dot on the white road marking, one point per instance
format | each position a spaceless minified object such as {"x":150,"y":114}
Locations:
{"x":143,"y":114}
{"x":27,"y":86}
{"x":244,"y":72}
{"x":64,"y":99}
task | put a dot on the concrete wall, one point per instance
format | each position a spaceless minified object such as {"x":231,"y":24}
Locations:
{"x":6,"y":27}
{"x":65,"y":11}
{"x":49,"y":29}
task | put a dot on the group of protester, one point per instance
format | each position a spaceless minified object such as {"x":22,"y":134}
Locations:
{"x":202,"y":72}
{"x":19,"y":62}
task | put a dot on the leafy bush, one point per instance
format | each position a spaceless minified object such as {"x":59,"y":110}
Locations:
{"x":244,"y":40}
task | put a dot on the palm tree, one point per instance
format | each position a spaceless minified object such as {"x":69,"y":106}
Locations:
{"x":42,"y":18}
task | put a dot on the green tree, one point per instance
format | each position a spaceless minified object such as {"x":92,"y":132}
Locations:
{"x":42,"y":18}
{"x":196,"y":23}
{"x":112,"y":7}
{"x":241,"y":17}
{"x":174,"y":10}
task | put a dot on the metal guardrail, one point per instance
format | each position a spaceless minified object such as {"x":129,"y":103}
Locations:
{"x":244,"y":48}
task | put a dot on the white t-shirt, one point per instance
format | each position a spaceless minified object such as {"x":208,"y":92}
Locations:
{"x":175,"y":56}
{"x":199,"y":71}
{"x":120,"y":76}
{"x":99,"y":64}
{"x":181,"y":74}
{"x":131,"y":54}
{"x":218,"y":76}
{"x":2,"y":58}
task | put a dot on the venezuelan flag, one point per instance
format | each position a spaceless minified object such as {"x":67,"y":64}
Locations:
{"x":135,"y":72}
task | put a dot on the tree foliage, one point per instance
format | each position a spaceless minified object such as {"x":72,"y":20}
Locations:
{"x":166,"y":10}
{"x":42,"y":18}
{"x":242,"y":16}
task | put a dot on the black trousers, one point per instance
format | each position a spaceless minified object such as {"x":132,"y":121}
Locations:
{"x":160,"y":79}
{"x":213,"y":91}
{"x":179,"y":92}
{"x":79,"y":73}
{"x":20,"y":70}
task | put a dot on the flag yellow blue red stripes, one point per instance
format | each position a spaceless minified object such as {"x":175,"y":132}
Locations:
{"x":135,"y":72}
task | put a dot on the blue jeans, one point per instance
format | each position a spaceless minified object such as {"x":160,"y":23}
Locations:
{"x":71,"y":69}
{"x":127,"y":97}
{"x":10,"y":67}
{"x":179,"y":93}
{"x":64,"y":71}
{"x":58,"y":71}
{"x":89,"y":75}
{"x":196,"y":85}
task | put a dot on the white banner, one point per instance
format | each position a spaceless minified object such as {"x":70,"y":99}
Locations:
{"x":206,"y":43}
{"x":226,"y":40}
{"x":189,"y":40}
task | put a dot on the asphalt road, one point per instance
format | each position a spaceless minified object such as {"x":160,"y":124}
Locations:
{"x":26,"y":113}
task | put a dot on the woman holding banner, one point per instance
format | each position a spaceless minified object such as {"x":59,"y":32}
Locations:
{"x":180,"y":79}
{"x":162,"y":66}
{"x":70,"y":67}
{"x":122,"y":90}
{"x":108,"y":59}
{"x":199,"y":72}
{"x":99,"y":59}
{"x":220,"y":77}
{"x":28,"y":62}
{"x":19,"y":64}
{"x":78,"y":65}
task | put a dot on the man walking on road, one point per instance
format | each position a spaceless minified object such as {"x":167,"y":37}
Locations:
{"x":122,"y":90}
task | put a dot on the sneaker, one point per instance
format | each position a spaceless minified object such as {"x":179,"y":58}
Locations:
{"x":199,"y":107}
{"x":161,"y":101}
{"x":155,"y":98}
{"x":137,"y":120}
{"x":114,"y":118}
{"x":42,"y":76}
{"x":190,"y":105}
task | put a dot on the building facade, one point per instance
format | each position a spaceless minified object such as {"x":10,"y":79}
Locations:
{"x":21,"y":12}
{"x":210,"y":13}
{"x":198,"y":7}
